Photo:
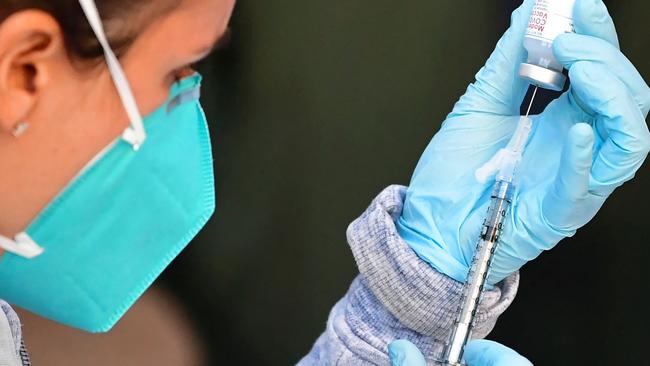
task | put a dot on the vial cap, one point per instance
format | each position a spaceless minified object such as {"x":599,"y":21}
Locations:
{"x":542,"y":77}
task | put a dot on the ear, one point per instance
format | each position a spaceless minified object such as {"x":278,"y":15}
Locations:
{"x":30,"y":42}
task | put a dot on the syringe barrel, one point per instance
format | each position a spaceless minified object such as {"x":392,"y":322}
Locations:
{"x":499,"y":203}
{"x":549,"y":19}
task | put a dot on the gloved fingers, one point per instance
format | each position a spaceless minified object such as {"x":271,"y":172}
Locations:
{"x":405,"y":353}
{"x":592,"y":18}
{"x":482,"y":352}
{"x":571,"y":185}
{"x":627,"y":139}
{"x":572,"y":181}
{"x":572,"y":48}
{"x":498,"y":89}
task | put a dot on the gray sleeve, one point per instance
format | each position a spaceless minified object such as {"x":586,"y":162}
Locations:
{"x":12,"y":350}
{"x":396,"y":296}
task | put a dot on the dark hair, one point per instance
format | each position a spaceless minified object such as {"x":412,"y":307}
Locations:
{"x":79,"y":38}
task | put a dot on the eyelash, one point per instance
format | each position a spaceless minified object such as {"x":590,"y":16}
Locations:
{"x":191,"y":68}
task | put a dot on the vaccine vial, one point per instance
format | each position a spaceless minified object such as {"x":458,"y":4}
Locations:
{"x":549,"y":19}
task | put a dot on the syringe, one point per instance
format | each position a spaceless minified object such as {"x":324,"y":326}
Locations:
{"x":505,"y":163}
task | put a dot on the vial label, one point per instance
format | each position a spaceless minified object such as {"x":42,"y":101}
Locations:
{"x":550,"y":18}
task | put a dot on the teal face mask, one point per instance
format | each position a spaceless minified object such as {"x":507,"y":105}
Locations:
{"x":102,"y":242}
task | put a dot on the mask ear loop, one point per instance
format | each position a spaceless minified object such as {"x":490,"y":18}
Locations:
{"x":135,"y":134}
{"x":22,"y":245}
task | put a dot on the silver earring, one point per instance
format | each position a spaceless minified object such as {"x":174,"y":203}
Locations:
{"x":19,"y":129}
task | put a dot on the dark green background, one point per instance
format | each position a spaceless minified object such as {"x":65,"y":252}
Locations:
{"x":318,"y":105}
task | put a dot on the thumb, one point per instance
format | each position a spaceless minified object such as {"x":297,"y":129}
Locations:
{"x":498,"y":89}
{"x":405,"y":353}
{"x":571,"y":186}
{"x":482,"y":352}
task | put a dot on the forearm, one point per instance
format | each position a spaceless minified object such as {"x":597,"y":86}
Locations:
{"x":396,"y":296}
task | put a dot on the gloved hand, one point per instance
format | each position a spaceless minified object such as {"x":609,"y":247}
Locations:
{"x":584,"y":145}
{"x":478,"y":352}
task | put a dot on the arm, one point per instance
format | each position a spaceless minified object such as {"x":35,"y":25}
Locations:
{"x":568,"y":171}
{"x":396,"y":295}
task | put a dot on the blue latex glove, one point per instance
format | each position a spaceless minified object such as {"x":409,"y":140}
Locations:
{"x":405,"y":353}
{"x":479,"y":352}
{"x":568,"y":169}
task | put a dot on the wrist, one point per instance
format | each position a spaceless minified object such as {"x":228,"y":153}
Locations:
{"x":431,"y":252}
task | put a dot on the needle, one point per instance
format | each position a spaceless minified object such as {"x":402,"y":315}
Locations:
{"x":492,"y":226}
{"x":532,"y":99}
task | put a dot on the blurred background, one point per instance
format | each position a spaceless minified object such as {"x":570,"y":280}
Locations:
{"x":315,"y":107}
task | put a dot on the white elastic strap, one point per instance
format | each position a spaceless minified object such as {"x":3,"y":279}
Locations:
{"x":135,"y":135}
{"x":22,"y":245}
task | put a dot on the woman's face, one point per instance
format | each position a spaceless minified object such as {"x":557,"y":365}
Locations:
{"x":72,"y":111}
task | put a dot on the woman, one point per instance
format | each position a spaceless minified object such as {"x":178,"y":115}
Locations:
{"x":101,"y":199}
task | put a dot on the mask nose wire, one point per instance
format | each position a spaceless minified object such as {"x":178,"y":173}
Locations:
{"x":135,"y":134}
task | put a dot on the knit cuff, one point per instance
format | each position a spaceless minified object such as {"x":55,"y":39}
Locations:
{"x":421,"y":298}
